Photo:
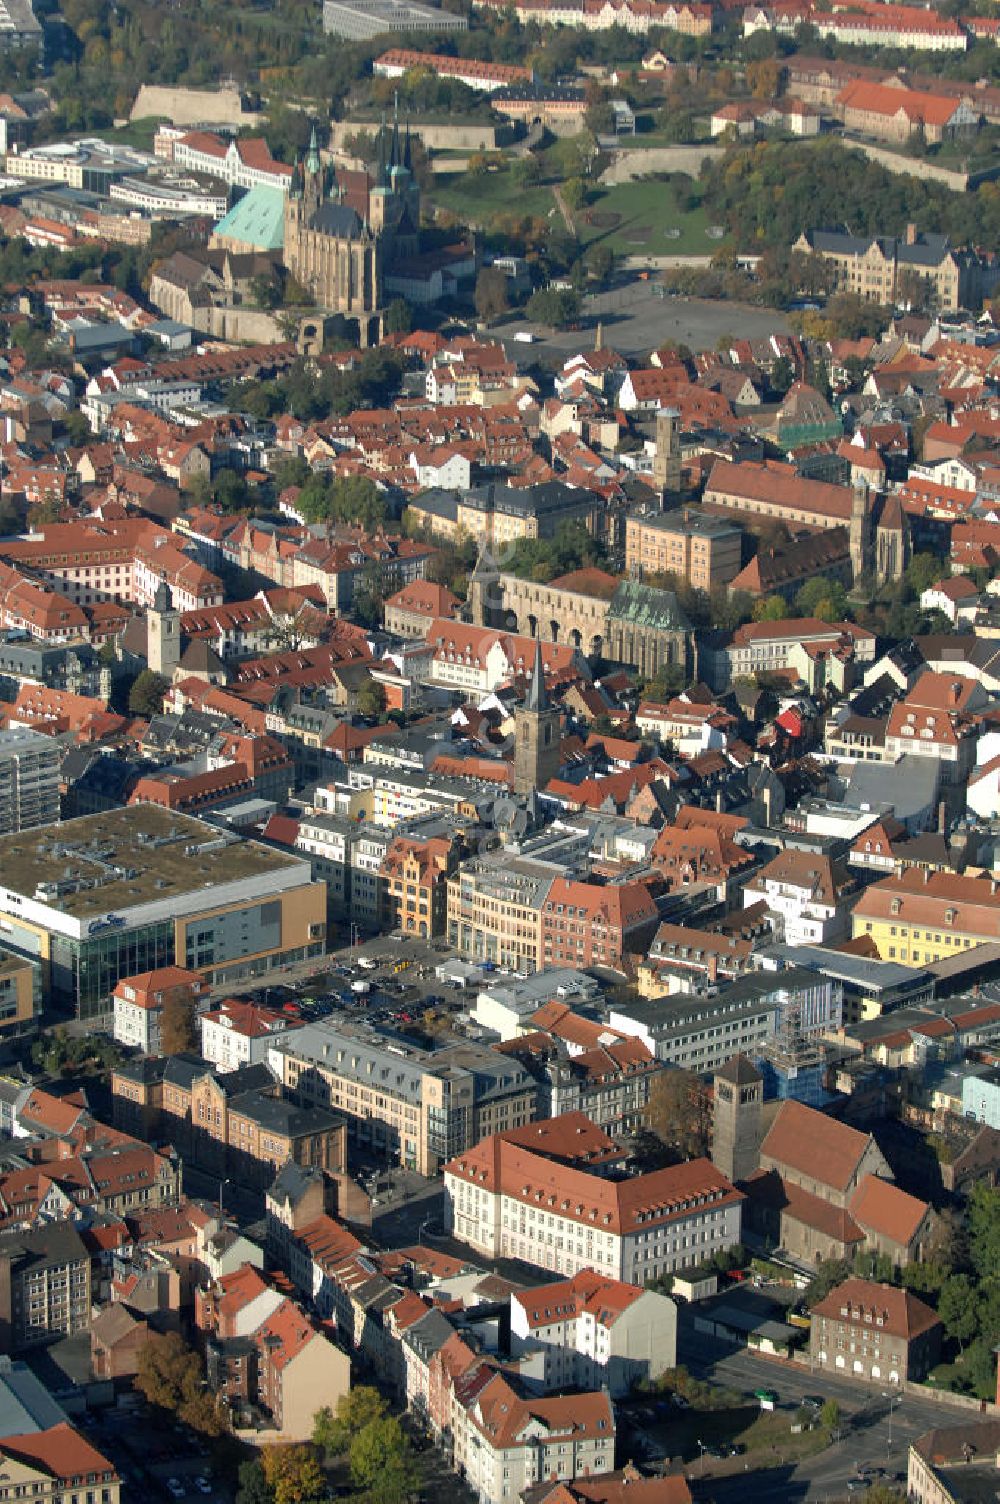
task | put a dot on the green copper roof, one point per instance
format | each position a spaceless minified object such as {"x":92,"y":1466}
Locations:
{"x":258,"y":220}
{"x":645,"y":606}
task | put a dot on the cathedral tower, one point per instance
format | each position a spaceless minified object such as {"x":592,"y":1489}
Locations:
{"x":861,"y":531}
{"x":536,"y":735}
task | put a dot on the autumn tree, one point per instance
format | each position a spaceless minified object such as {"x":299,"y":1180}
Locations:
{"x":490,"y":296}
{"x":678,"y":1111}
{"x":178,"y":1031}
{"x":292,"y":1473}
{"x":170,"y":1376}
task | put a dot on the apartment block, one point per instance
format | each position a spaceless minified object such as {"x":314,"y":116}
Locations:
{"x":44,"y":1285}
{"x":423,"y":1105}
{"x":504,"y":1444}
{"x":705,"y":551}
{"x":29,"y":779}
{"x":594,"y":1333}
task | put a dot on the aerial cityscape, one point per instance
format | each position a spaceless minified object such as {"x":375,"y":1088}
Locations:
{"x":499,"y":752}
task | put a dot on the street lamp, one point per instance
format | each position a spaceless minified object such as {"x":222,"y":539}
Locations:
{"x":701,"y":1452}
{"x":222,"y":1187}
{"x":894,"y":1400}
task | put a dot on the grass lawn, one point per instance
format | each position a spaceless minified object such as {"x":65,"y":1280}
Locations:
{"x":138,"y":133}
{"x":477,"y":197}
{"x":647,"y":210}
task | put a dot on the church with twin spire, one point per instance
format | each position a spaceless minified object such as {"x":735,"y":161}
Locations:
{"x":340,"y":248}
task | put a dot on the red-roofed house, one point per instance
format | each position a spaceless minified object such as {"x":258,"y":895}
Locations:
{"x":592,"y":1332}
{"x":49,"y":1465}
{"x":238,"y":1033}
{"x":140,"y":1001}
{"x":874,"y":1333}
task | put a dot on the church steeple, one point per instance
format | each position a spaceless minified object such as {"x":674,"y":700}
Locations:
{"x":312,"y":156}
{"x":537,"y":698}
{"x":537,"y":728}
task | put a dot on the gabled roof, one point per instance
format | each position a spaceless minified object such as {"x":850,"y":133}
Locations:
{"x":813,"y":1144}
{"x":897,"y":1311}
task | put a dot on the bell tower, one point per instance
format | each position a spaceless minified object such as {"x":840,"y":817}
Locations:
{"x":163,"y":633}
{"x":536,"y":735}
{"x":667,"y":454}
{"x":736,"y":1125}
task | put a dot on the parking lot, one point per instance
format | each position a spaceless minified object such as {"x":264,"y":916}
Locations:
{"x":389,"y":981}
{"x":164,"y":1460}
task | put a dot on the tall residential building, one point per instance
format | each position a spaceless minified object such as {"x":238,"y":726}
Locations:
{"x":44,"y":1285}
{"x":29,"y":780}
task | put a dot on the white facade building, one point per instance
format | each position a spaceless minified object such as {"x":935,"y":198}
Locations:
{"x":507,"y":1202}
{"x":593,"y":1333}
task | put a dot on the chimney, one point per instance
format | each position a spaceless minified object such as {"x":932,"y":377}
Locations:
{"x":712,"y":968}
{"x":942,"y":820}
{"x":911,"y":234}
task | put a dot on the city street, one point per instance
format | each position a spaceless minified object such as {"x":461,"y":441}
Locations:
{"x":865,"y":1432}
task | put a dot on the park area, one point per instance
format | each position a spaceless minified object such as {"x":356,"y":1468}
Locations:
{"x":644,"y":218}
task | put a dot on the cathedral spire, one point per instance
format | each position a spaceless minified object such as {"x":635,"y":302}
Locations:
{"x":407,"y":153}
{"x":312,"y":156}
{"x":537,"y":698}
{"x":395,"y":160}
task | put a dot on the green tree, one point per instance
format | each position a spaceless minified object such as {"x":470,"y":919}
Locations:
{"x":382,"y":1463}
{"x":333,"y":1430}
{"x":984,"y":1230}
{"x":253,"y":1487}
{"x":823,"y":598}
{"x":371,"y":699}
{"x":923,"y":571}
{"x":957,"y":1308}
{"x":600,"y":261}
{"x":770,"y":608}
{"x":76,"y":428}
{"x":145,"y":698}
{"x":829,"y":1416}
{"x":399,"y":317}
